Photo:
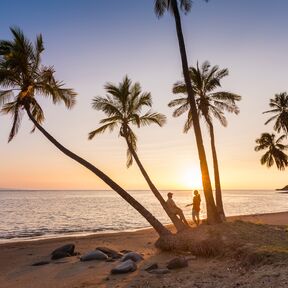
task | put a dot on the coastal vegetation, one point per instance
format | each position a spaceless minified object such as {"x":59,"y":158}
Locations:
{"x":123,"y":105}
{"x":275,"y":153}
{"x":185,"y":5}
{"x":205,"y":80}
{"x":21,"y":71}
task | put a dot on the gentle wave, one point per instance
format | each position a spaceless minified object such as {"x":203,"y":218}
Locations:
{"x":40,"y":214}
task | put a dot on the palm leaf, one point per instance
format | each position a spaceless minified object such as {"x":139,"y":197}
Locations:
{"x":5,"y":96}
{"x":152,"y":117}
{"x":111,"y":126}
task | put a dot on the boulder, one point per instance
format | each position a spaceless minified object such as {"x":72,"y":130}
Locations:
{"x":132,"y":256}
{"x":94,"y":255}
{"x":109,"y":252}
{"x":63,"y":251}
{"x":179,"y":262}
{"x":125,"y":267}
{"x":151,"y":266}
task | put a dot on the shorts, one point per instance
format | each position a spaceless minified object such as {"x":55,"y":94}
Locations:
{"x":195,"y":213}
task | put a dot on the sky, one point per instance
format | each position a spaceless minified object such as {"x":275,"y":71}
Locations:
{"x":91,"y":42}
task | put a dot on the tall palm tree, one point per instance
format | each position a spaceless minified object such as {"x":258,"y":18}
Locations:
{"x":279,"y":107}
{"x":21,"y":71}
{"x":123,"y":105}
{"x":185,"y":5}
{"x":209,"y":104}
{"x":275,"y":153}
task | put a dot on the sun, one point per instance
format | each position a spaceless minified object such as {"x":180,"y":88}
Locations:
{"x":192,"y":178}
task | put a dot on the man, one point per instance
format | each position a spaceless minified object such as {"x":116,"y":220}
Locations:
{"x":195,"y":207}
{"x":174,"y":208}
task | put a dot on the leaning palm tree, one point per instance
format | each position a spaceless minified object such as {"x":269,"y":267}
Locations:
{"x":21,"y":71}
{"x":123,"y":105}
{"x":185,"y":5}
{"x":209,"y":104}
{"x":275,"y":153}
{"x":279,"y":107}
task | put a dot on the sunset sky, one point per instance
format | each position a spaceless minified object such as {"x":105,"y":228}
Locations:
{"x":92,"y":42}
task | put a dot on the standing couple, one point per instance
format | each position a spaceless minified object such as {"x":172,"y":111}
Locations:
{"x":178,"y":211}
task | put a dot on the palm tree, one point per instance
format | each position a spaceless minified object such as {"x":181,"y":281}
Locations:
{"x":185,"y":5}
{"x":209,"y":104}
{"x":21,"y":71}
{"x":275,"y":153}
{"x":123,"y":105}
{"x":279,"y":107}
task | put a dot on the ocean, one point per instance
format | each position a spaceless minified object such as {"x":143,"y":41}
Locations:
{"x":29,"y":215}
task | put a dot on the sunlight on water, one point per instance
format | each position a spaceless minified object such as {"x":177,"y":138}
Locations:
{"x":35,"y":214}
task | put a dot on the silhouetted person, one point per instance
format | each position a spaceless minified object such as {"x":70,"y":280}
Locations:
{"x":195,"y":207}
{"x":174,"y":208}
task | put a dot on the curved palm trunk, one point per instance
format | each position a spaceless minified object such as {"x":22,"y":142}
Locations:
{"x":212,"y":213}
{"x":218,"y":193}
{"x":180,"y":226}
{"x":160,"y":229}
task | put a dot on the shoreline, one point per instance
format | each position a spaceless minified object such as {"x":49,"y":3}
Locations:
{"x":16,"y":270}
{"x":274,"y":218}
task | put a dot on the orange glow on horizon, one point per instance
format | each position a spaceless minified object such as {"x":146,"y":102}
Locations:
{"x":191,"y":178}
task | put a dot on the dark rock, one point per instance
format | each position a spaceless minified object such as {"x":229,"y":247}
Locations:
{"x":151,"y":266}
{"x":159,"y":271}
{"x":94,"y":255}
{"x":109,"y":252}
{"x":124,"y":267}
{"x":132,"y":256}
{"x":40,"y":263}
{"x":179,"y":262}
{"x":63,"y":251}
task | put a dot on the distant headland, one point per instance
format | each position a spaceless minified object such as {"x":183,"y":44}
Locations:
{"x":283,"y":189}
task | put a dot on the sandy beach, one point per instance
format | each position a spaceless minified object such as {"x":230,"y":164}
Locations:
{"x":17,"y":258}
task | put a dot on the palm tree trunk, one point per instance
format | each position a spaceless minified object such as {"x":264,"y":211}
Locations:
{"x":218,"y":193}
{"x":212,"y":213}
{"x":160,"y":229}
{"x":180,"y":226}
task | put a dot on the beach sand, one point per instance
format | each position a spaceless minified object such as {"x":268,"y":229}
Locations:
{"x":16,"y":260}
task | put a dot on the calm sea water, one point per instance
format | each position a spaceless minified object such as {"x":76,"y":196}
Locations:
{"x":43,"y":214}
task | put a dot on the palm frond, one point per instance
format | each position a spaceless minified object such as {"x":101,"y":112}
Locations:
{"x":177,"y":102}
{"x":132,"y":139}
{"x":111,"y":126}
{"x":160,"y":6}
{"x":188,"y":123}
{"x":13,"y":108}
{"x":271,"y":119}
{"x":5,"y":96}
{"x":181,"y":110}
{"x":111,"y":119}
{"x":280,"y":139}
{"x":107,"y":106}
{"x":267,"y":159}
{"x":179,"y":87}
{"x":129,"y":158}
{"x":185,"y":5}
{"x":36,"y":112}
{"x":218,"y":114}
{"x":271,"y":111}
{"x":152,"y":117}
